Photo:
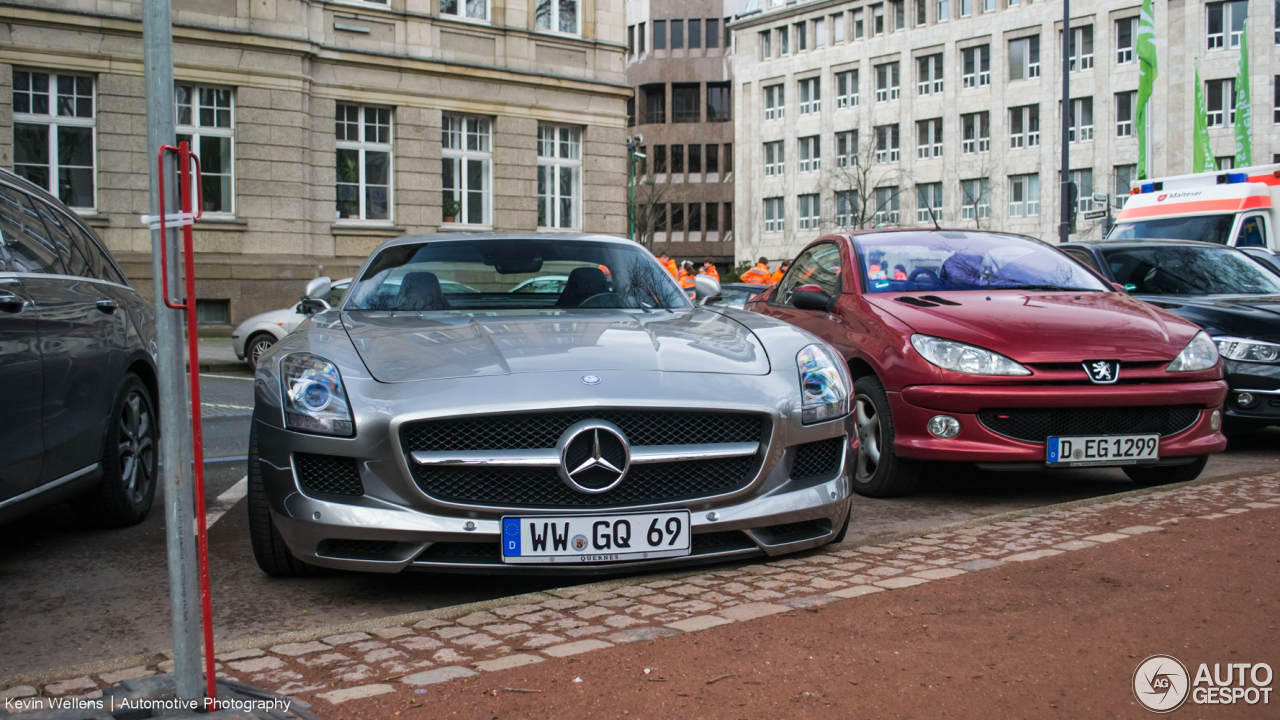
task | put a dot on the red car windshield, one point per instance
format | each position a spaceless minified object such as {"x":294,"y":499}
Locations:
{"x":938,"y":261}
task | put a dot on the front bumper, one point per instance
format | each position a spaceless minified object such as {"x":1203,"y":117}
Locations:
{"x":914,"y":406}
{"x":396,"y":515}
{"x":1260,"y":380}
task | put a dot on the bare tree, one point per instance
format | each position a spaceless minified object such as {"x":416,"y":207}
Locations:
{"x":975,"y":168}
{"x":859,"y":179}
{"x":649,"y":211}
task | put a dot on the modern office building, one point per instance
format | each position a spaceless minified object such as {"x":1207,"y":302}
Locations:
{"x":858,"y":114}
{"x":324,"y":128}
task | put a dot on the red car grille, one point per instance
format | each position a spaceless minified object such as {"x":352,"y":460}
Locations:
{"x":1036,"y":424}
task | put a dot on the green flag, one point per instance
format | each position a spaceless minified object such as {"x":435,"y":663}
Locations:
{"x":1203,"y":160}
{"x":1146,"y":83}
{"x":1244,"y":105}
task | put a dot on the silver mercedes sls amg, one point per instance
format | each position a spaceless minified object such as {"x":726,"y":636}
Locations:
{"x":599,"y":423}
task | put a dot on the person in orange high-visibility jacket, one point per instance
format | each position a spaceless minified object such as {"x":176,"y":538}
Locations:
{"x":669,"y":264}
{"x":758,"y":274}
{"x":782,"y":270}
{"x":709,"y":268}
{"x":687,"y":275}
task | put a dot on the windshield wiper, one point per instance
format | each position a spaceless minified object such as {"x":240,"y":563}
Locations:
{"x":1063,"y":288}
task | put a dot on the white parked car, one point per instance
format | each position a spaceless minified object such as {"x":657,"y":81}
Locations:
{"x":253,"y":336}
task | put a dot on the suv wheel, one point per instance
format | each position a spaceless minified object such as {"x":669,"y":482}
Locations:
{"x":878,"y":472}
{"x":258,"y":344}
{"x":129,"y":461}
{"x":1151,"y":476}
{"x":269,"y":550}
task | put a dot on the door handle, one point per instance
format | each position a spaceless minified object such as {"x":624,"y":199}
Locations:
{"x":108,"y":306}
{"x":11,"y":303}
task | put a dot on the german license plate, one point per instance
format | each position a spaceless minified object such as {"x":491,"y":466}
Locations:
{"x":582,"y":539}
{"x":1086,"y":450}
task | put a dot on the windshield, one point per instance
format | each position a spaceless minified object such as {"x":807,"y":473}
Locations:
{"x":910,"y":262}
{"x":1189,"y":271}
{"x":1207,"y":228}
{"x":514,"y":274}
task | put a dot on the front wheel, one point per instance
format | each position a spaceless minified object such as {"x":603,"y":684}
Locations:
{"x":879,"y":472}
{"x":269,"y":550}
{"x":257,"y":345}
{"x":1148,"y":476}
{"x":129,"y":461}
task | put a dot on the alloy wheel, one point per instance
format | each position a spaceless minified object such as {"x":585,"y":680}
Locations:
{"x":259,"y":347}
{"x":869,"y":444}
{"x":137,"y":447}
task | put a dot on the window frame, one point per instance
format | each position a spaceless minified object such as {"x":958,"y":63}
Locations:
{"x":460,"y":14}
{"x":978,"y":58}
{"x":890,"y":150}
{"x":775,"y":101}
{"x":1125,"y":53}
{"x":929,"y":74}
{"x":1077,"y":131}
{"x":892,"y":75}
{"x":931,"y":193}
{"x":930,"y":130}
{"x":892,"y":198}
{"x":53,"y":122}
{"x":1030,"y":70}
{"x":811,"y":87}
{"x":1126,"y":104}
{"x":849,"y":140}
{"x":849,"y":98}
{"x":558,"y":163}
{"x":1084,"y":198}
{"x":775,"y":214}
{"x":1026,"y":137}
{"x":464,"y":155}
{"x":811,"y":220}
{"x":554,"y":20}
{"x":1027,"y":184}
{"x":980,"y":124}
{"x":977,"y":209}
{"x":809,"y":154}
{"x":197,"y":131}
{"x":363,"y":147}
{"x":775,"y":158}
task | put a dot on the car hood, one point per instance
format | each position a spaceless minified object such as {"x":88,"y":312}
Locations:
{"x":1045,"y":327}
{"x":406,"y":347}
{"x":1248,"y":316}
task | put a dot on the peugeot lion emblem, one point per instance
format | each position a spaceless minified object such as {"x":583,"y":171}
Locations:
{"x":594,"y":456}
{"x":590,"y":379}
{"x":1102,"y":372}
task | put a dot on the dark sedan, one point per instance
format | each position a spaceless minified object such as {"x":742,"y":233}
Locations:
{"x":736,"y":295}
{"x":1223,"y":290}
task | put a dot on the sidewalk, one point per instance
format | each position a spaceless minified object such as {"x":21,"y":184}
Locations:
{"x":1045,"y":615}
{"x":218,"y":356}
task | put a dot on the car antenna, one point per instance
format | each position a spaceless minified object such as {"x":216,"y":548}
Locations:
{"x":932,"y":217}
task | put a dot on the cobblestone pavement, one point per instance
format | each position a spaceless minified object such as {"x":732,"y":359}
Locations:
{"x":331,"y":669}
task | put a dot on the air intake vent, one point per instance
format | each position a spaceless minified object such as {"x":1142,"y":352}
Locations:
{"x":939,"y":300}
{"x":816,"y":459}
{"x":1037,"y":424}
{"x":328,"y":474}
{"x":915,"y":302}
{"x":355,"y":548}
{"x":795,"y":532}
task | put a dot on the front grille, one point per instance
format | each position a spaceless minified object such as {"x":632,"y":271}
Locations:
{"x":542,"y":487}
{"x":463,"y":551}
{"x":491,"y":552}
{"x":720,"y":542}
{"x":526,"y":431}
{"x":817,"y":458}
{"x":356,"y":547}
{"x":1037,"y":424}
{"x":328,"y":474}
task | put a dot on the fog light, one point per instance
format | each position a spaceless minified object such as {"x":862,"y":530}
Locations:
{"x":944,"y":427}
{"x":1244,"y":399}
{"x":1215,"y":420}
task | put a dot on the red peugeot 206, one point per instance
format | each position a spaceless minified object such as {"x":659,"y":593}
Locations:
{"x":1000,"y":350}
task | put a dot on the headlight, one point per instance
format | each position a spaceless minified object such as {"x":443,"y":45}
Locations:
{"x":1248,"y":350}
{"x":1199,"y":354}
{"x":314,"y":399}
{"x":824,"y":388}
{"x":964,"y":358}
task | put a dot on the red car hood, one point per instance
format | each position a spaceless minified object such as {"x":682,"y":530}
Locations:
{"x":1046,"y":327}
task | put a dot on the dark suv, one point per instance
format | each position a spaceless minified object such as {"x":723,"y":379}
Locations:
{"x":77,"y":372}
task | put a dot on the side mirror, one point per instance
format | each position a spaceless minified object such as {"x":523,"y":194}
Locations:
{"x":1119,"y":287}
{"x":311,"y":306}
{"x":318,"y":288}
{"x":812,"y":300}
{"x":705,"y":288}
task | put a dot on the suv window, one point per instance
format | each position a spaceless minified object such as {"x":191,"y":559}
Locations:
{"x":77,"y":250}
{"x":818,"y":265}
{"x":26,"y":244}
{"x":1083,"y":256}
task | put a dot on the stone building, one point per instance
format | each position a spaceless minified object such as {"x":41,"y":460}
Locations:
{"x":954,"y":105}
{"x":324,"y":126}
{"x":678,"y":63}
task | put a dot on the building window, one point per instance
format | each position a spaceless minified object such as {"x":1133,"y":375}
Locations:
{"x":859,"y":29}
{"x":847,"y":89}
{"x":975,"y":199}
{"x":976,"y":129}
{"x":1225,"y":162}
{"x":877,"y":19}
{"x":784,"y":40}
{"x":641,"y":46}
{"x":684,"y":103}
{"x":467,"y":151}
{"x":1024,"y":126}
{"x":728,"y":218}
{"x":677,"y":217}
{"x":775,"y":105}
{"x":944,"y":10}
{"x":559,"y":176}
{"x":966,"y":8}
{"x":773,"y":159}
{"x":766,"y":45}
{"x":1024,"y":58}
{"x":631,"y":112}
{"x":820,"y":32}
{"x":631,"y":40}
{"x":470,"y":9}
{"x":655,"y":103}
{"x":810,"y":95}
{"x":677,"y":159}
{"x":1126,"y":34}
{"x":53,"y":134}
{"x":364,"y":162}
{"x":809,"y":215}
{"x":899,"y":14}
{"x":929,"y":75}
{"x":1080,"y":121}
{"x":886,"y":205}
{"x":728,"y":161}
{"x":802,"y":36}
{"x":847,"y":148}
{"x":1220,"y":99}
{"x":660,"y":159}
{"x":1024,"y":195}
{"x":695,"y":34}
{"x":837,"y":27}
{"x":1083,"y":180}
{"x":846,"y":208}
{"x":1081,"y":57}
{"x":713,"y":41}
{"x":713,"y":159}
{"x":659,"y":34}
{"x":695,"y":159}
{"x":1275,"y":100}
{"x":204,"y":123}
{"x":929,"y":138}
{"x":1125,"y":175}
{"x":559,"y":16}
{"x":693,"y":220}
{"x":921,"y":13}
{"x":928,"y":196}
{"x":1126,"y":103}
{"x":977,"y":66}
{"x":887,"y":150}
{"x":718,"y":102}
{"x":988,"y":6}
{"x":713,"y":215}
{"x":1226,"y":23}
{"x":677,"y":34}
{"x":810,"y":154}
{"x":887,"y":82}
{"x":773,"y":215}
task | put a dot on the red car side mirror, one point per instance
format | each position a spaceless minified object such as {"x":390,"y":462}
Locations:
{"x":1119,"y":287}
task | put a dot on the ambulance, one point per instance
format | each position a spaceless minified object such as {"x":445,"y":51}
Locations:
{"x":1239,"y":207}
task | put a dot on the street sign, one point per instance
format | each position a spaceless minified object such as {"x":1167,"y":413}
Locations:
{"x":1101,"y":197}
{"x":1095,"y":214}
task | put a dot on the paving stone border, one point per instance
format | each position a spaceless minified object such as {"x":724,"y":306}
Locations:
{"x":428,"y":648}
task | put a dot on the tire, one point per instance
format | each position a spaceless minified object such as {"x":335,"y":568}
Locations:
{"x":878,"y":472}
{"x":258,"y":343}
{"x":1152,"y":476}
{"x":130,"y":460}
{"x":269,"y":549}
